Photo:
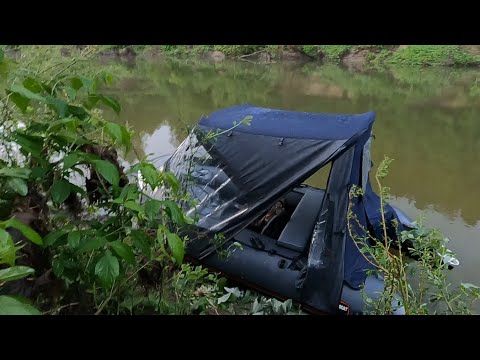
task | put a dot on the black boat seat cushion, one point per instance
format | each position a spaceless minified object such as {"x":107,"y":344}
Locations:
{"x":297,"y":233}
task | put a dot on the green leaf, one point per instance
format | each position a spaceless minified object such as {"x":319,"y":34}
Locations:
{"x":235,"y":291}
{"x":88,"y":84}
{"x":276,"y":304}
{"x":19,"y":100}
{"x":108,"y":171}
{"x":89,"y":244}
{"x":161,"y":235}
{"x":4,"y":235}
{"x":176,"y":245}
{"x":57,"y":267}
{"x":174,"y":212}
{"x":71,"y":160}
{"x":129,"y":192}
{"x":469,"y":286}
{"x":2,"y":55}
{"x":15,"y":273}
{"x":11,"y":306}
{"x":172,"y":180}
{"x":7,"y":67}
{"x":224,"y":298}
{"x":256,"y":306}
{"x":115,"y":131}
{"x":150,"y":174}
{"x":38,"y":172}
{"x":73,"y":239}
{"x":71,"y":92}
{"x":91,"y":101}
{"x":107,"y":269}
{"x":7,"y":248}
{"x":18,"y":185}
{"x":15,"y":172}
{"x":152,"y":208}
{"x":89,"y":157}
{"x":58,"y":105}
{"x":60,"y":123}
{"x":112,"y":103}
{"x":142,"y":242}
{"x":119,"y":134}
{"x":77,"y":111}
{"x":29,"y":143}
{"x":21,"y":90}
{"x":26,"y":230}
{"x":132,"y":205}
{"x":188,"y":220}
{"x":60,"y":190}
{"x":77,"y":189}
{"x":131,"y":302}
{"x":126,"y":138}
{"x":76,"y":83}
{"x":68,"y":136}
{"x":107,"y":78}
{"x":33,"y":85}
{"x":53,"y":237}
{"x":124,"y":251}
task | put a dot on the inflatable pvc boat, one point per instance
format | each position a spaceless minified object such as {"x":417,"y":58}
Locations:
{"x":237,"y":173}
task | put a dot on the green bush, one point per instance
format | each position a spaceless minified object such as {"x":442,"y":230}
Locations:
{"x":234,"y":50}
{"x":334,"y":53}
{"x":421,"y":286}
{"x":433,"y":55}
{"x":103,"y":244}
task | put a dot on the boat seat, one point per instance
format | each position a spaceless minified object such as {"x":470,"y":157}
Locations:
{"x":297,"y":233}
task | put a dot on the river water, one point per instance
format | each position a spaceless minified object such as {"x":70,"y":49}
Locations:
{"x":428,"y":120}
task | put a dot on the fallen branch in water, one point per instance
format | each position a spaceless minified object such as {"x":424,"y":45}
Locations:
{"x":247,"y":55}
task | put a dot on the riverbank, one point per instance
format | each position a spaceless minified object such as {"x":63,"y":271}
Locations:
{"x":356,"y":57}
{"x":353,"y":56}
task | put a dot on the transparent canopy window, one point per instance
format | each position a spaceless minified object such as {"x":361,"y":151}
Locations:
{"x":214,"y":193}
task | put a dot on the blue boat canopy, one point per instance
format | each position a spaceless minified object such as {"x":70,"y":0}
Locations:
{"x":292,"y":124}
{"x":239,"y":173}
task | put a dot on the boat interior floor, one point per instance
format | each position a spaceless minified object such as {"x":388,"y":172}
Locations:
{"x":288,"y":233}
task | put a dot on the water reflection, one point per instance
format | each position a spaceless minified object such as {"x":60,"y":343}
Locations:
{"x":427,"y":120}
{"x":154,"y":144}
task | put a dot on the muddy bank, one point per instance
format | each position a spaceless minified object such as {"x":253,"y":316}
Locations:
{"x":355,"y":57}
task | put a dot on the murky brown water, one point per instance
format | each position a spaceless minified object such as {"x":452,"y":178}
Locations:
{"x":428,"y":120}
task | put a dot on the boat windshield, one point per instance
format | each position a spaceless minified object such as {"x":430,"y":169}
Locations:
{"x":213,"y":194}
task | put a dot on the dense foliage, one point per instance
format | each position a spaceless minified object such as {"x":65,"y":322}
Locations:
{"x":419,"y":287}
{"x":424,"y":55}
